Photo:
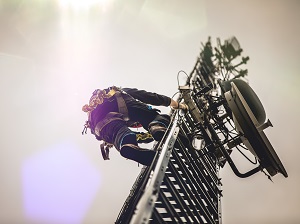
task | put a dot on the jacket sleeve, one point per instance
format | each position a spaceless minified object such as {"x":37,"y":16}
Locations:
{"x":148,"y":97}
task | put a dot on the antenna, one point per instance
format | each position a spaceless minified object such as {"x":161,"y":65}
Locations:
{"x":225,"y":116}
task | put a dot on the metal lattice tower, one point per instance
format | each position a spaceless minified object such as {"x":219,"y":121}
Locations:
{"x":183,"y":185}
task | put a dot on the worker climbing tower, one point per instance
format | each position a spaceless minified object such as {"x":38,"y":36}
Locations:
{"x":225,"y":115}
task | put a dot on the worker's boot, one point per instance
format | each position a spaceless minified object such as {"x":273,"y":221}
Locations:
{"x":140,"y":155}
{"x":157,"y":131}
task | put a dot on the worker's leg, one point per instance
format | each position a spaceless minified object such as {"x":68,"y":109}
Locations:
{"x":158,"y":126}
{"x":117,"y":133}
{"x":155,"y":123}
{"x":150,"y":119}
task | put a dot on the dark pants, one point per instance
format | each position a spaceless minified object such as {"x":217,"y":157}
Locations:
{"x":117,"y":132}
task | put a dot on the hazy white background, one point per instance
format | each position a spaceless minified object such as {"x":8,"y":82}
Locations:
{"x":53,"y":54}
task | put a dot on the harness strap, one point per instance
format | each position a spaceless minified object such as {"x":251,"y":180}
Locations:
{"x":122,"y":105}
{"x":112,"y":116}
{"x":105,"y":150}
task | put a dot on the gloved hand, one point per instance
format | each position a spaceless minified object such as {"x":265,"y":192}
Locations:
{"x":175,"y":105}
{"x":183,"y":106}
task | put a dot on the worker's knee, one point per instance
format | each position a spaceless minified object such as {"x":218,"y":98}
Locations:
{"x":161,"y":120}
{"x":114,"y":132}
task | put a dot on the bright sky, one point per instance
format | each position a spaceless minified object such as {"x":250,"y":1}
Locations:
{"x":53,"y":54}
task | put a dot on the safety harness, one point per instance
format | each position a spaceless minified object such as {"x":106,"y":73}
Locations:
{"x":99,"y":97}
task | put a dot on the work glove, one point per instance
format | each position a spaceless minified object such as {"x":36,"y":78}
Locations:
{"x":181,"y":106}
